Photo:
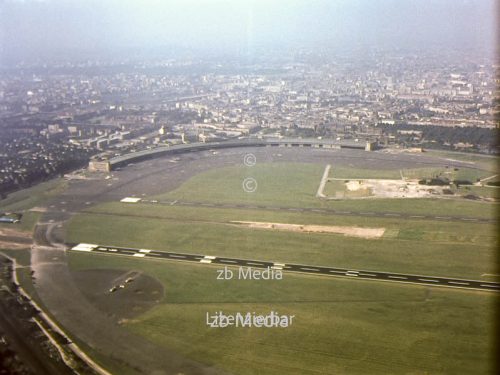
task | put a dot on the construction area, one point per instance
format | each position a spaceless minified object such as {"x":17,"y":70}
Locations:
{"x":410,"y":186}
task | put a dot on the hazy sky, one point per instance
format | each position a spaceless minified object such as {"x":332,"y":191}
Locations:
{"x":30,"y":28}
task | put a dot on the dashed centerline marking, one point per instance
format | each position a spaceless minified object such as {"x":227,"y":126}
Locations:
{"x":140,"y":253}
{"x":458,"y":283}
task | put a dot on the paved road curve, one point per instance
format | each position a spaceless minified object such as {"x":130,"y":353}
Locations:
{"x":315,"y":270}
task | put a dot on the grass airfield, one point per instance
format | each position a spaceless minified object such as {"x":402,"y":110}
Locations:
{"x":342,"y":326}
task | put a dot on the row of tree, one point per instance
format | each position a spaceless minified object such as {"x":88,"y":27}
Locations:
{"x":480,"y":138}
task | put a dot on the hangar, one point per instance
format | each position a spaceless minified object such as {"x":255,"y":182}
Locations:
{"x":123,"y":160}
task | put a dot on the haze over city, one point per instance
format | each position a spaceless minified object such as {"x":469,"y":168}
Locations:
{"x":62,"y":29}
{"x":214,"y":187}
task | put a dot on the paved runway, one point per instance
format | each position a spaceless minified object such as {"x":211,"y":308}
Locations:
{"x":55,"y":283}
{"x":308,"y":269}
{"x":322,"y":211}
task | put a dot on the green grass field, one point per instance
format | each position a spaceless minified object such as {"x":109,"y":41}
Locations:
{"x":31,"y":197}
{"x":455,"y":249}
{"x":341,"y":326}
{"x":410,"y":246}
{"x":296,"y":184}
{"x":24,"y":200}
{"x":278,"y":184}
{"x":485,"y":162}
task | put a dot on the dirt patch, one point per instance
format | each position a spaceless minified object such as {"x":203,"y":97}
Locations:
{"x":345,"y":230}
{"x":120,"y":294}
{"x":385,"y":188}
{"x":14,"y":245}
{"x":14,"y":239}
{"x":7,"y":232}
{"x":353,"y":185}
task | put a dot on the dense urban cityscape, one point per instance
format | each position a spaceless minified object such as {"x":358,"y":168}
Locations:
{"x":271,"y":187}
{"x":55,"y":119}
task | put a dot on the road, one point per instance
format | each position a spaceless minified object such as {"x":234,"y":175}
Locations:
{"x":19,"y":330}
{"x":308,"y":269}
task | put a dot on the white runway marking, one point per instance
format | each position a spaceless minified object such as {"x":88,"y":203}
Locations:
{"x":207,"y":259}
{"x":490,"y":286}
{"x":84,"y":247}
